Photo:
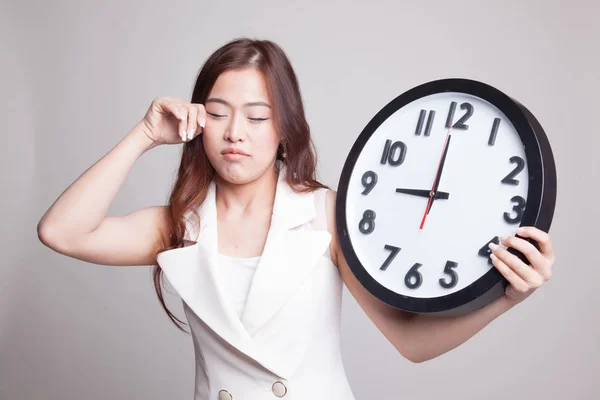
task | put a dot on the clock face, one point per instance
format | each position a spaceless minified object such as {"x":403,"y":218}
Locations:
{"x":483,"y":184}
{"x":439,"y":173}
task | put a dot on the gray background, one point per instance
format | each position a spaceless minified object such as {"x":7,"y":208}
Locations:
{"x":77,"y":76}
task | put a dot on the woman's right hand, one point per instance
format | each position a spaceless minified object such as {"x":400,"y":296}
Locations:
{"x":173,"y":120}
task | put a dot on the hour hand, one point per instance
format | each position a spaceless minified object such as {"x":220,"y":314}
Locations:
{"x":424,"y":193}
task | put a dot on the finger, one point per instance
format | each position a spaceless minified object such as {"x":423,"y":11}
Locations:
{"x":192,"y":121}
{"x":201,"y":117}
{"x":513,"y":278}
{"x":183,"y":124}
{"x":173,"y":108}
{"x":541,"y":237}
{"x":540,"y":263}
{"x":200,"y":120}
{"x":529,"y":275}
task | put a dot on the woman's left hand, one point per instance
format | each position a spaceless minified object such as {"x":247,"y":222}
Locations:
{"x":524,"y":279}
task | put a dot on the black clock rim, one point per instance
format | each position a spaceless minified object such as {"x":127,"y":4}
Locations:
{"x":540,"y":198}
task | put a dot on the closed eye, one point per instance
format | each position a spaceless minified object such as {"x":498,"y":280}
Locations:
{"x":223,"y":116}
{"x":216,"y":115}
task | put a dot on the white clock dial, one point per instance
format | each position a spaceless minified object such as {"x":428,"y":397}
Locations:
{"x":484,"y":150}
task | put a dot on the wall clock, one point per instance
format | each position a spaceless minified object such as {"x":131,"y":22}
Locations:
{"x":436,"y":175}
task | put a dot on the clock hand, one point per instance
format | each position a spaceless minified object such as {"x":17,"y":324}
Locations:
{"x":438,"y":175}
{"x":424,"y":193}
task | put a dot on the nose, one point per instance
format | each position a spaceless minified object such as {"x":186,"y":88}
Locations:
{"x":235,"y":128}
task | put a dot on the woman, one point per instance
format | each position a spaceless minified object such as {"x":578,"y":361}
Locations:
{"x":249,"y":238}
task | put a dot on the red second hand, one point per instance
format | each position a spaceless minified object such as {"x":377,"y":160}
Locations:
{"x":434,"y":180}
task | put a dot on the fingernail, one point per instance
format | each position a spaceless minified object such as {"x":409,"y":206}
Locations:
{"x":202,"y":122}
{"x":502,"y":239}
{"x":493,"y":256}
{"x":492,"y":245}
{"x":520,"y":230}
{"x":190,"y":133}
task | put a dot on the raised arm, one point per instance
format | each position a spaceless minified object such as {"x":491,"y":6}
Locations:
{"x":76,"y":224}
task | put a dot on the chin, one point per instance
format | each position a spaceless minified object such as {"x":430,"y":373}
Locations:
{"x":240,"y":172}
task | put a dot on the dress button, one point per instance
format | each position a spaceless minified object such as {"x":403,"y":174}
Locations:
{"x":224,"y":395}
{"x":279,"y":389}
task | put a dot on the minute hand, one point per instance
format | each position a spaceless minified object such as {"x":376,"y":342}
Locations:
{"x":424,"y":193}
{"x":436,"y":181}
{"x":439,"y":172}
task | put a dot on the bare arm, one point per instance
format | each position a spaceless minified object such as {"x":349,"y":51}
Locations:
{"x":76,"y":224}
{"x":433,"y":336}
{"x":417,"y":337}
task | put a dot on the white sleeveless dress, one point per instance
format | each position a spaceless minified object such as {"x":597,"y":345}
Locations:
{"x":266,"y":327}
{"x":235,"y":275}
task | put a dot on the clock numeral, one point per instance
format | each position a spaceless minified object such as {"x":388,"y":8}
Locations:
{"x":367,"y":223}
{"x":369,"y":180}
{"x":449,"y":269}
{"x":393,"y":253}
{"x":393,"y":153}
{"x":413,"y":273}
{"x":509,"y":179}
{"x":519,"y":208}
{"x":494,"y":131}
{"x":413,"y":278}
{"x":422,"y":116}
{"x":485,"y":251}
{"x":460,"y":124}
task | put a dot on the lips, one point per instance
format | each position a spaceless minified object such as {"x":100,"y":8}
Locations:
{"x":233,"y":151}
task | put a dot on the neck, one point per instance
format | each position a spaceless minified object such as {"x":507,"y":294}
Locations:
{"x":235,"y":201}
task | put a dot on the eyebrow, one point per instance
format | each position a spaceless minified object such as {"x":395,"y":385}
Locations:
{"x":251,"y":104}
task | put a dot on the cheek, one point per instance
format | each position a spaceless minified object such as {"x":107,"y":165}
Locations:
{"x":266,"y":139}
{"x":209,"y":139}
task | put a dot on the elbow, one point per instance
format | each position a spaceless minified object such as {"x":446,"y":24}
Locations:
{"x":417,"y":360}
{"x":413,"y":354}
{"x":48,"y":236}
{"x":414,"y":358}
{"x":43,"y":233}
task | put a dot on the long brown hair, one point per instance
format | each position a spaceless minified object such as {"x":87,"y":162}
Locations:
{"x":195,"y":171}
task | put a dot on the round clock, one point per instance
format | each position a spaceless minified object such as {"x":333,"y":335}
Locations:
{"x":440,"y":172}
